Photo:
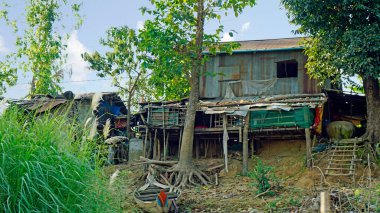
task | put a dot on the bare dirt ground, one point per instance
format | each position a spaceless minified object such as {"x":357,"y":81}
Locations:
{"x":299,"y":187}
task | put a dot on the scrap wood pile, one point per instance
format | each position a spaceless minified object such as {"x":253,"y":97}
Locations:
{"x":161,"y":170}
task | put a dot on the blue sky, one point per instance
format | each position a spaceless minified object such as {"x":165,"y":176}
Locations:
{"x":266,"y":20}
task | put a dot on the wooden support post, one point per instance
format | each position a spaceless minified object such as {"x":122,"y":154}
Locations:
{"x":206,"y":145}
{"x":245,"y":145}
{"x":158,"y":149}
{"x":252,"y":147}
{"x":197,"y":147}
{"x":164,"y":141}
{"x":325,"y":202}
{"x":164,"y":132}
{"x":150,"y":150}
{"x":167,"y":146}
{"x":240,"y":134}
{"x":145,"y":142}
{"x":155,"y":145}
{"x":308,"y":148}
{"x":225,"y":140}
{"x":179,"y":142}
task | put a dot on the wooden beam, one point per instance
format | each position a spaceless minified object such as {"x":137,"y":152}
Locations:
{"x":308,"y":148}
{"x":245,"y":145}
{"x":216,"y":129}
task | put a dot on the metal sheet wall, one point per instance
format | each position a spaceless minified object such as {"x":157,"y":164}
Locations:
{"x":223,"y":68}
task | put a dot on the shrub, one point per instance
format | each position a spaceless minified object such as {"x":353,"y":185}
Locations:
{"x":45,"y":167}
{"x":262,"y":177}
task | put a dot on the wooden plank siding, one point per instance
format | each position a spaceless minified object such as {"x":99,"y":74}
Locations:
{"x":223,"y":68}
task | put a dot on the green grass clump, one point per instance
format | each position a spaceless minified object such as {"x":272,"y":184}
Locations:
{"x":46,"y":167}
{"x":262,"y":178}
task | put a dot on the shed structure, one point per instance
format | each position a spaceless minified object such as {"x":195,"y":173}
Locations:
{"x":258,"y":91}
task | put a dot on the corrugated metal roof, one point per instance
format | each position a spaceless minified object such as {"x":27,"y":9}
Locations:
{"x":270,"y":44}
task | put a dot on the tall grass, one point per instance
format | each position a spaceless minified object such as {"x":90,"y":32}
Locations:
{"x":46,"y":167}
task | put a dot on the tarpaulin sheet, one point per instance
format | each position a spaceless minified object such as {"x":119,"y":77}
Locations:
{"x":250,"y":87}
{"x":301,"y":117}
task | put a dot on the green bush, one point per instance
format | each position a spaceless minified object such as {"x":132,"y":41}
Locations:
{"x":45,"y":167}
{"x":262,"y":177}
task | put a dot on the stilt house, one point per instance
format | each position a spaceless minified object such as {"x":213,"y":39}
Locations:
{"x":260,"y":92}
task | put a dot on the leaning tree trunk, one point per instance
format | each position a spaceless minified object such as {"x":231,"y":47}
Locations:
{"x":184,"y":171}
{"x":129,"y":101}
{"x":371,"y":89}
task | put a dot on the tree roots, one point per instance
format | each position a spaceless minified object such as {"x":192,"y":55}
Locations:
{"x":183,"y":176}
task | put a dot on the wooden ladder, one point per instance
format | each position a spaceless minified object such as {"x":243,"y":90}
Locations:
{"x":343,"y":158}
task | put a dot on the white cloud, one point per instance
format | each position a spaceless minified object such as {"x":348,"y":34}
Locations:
{"x":3,"y":49}
{"x":75,"y":61}
{"x":140,"y":25}
{"x":227,"y":37}
{"x":245,"y":26}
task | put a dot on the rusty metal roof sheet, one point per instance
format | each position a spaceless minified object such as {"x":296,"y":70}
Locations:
{"x":46,"y":106}
{"x":266,"y":45}
{"x":271,"y":44}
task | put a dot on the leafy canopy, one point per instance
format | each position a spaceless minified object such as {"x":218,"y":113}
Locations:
{"x":40,"y":45}
{"x":170,"y":38}
{"x":344,"y":36}
{"x":124,"y":62}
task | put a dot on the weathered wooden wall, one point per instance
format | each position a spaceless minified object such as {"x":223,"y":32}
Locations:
{"x":255,"y":66}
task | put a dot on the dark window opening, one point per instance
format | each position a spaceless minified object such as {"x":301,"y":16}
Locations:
{"x":287,"y":69}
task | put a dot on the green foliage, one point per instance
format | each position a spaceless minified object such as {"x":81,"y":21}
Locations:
{"x":262,"y":177}
{"x":40,"y":45}
{"x":344,"y":36}
{"x":125,"y":62}
{"x":170,"y":38}
{"x":44,"y":168}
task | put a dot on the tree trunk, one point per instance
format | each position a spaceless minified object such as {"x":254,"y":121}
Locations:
{"x":185,"y":171}
{"x":371,"y":89}
{"x":33,"y":86}
{"x":186,"y":154}
{"x":129,"y":117}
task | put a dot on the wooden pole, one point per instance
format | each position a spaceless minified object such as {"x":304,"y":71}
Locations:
{"x":325,"y":202}
{"x":197,"y":147}
{"x":240,"y":134}
{"x":167,"y":145}
{"x":165,"y":141}
{"x":155,"y":145}
{"x":225,"y":140}
{"x":158,"y":149}
{"x":150,"y":152}
{"x":145,"y":142}
{"x":252,"y":146}
{"x":164,"y":131}
{"x":179,"y":142}
{"x":245,"y":145}
{"x":308,"y":148}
